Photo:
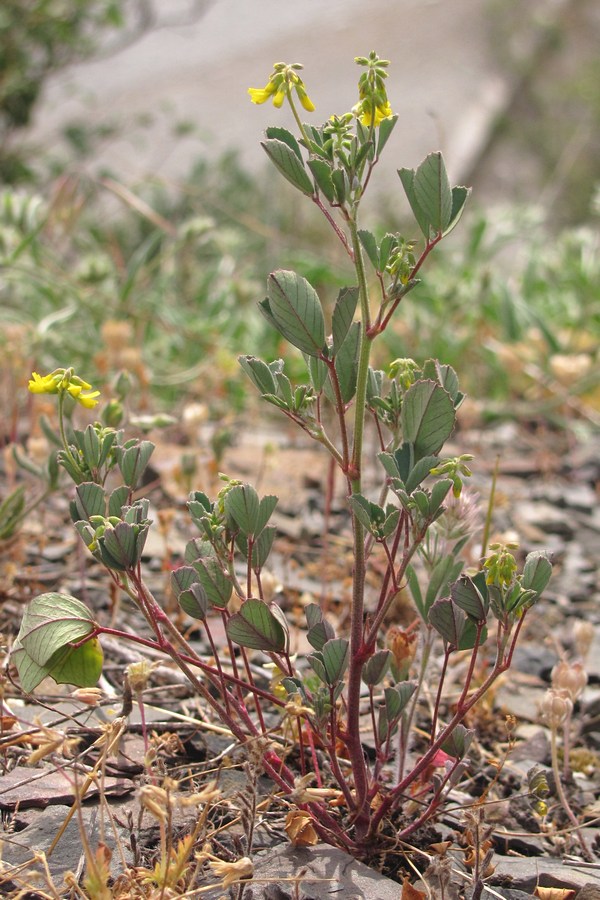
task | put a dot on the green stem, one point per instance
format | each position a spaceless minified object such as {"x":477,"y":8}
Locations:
{"x":357,"y":658}
{"x":490,"y":510}
{"x":301,"y":127}
{"x":561,"y":793}
{"x":63,"y":434}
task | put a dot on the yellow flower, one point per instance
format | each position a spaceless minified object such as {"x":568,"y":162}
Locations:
{"x":283,"y":78}
{"x":64,"y":381}
{"x":261,"y":95}
{"x":373,"y":106}
{"x":232,"y":872}
{"x":43,"y":384}
{"x":364,"y":112}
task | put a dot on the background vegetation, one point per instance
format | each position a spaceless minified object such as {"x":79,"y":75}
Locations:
{"x":165,"y":285}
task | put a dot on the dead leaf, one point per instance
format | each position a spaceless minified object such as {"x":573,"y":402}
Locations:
{"x":441,"y":848}
{"x":551,"y":893}
{"x":7,"y":722}
{"x":411,"y":893}
{"x":300,"y":830}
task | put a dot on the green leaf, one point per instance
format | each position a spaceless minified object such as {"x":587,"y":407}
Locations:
{"x":336,"y":655}
{"x":282,"y":134}
{"x":321,"y":171}
{"x":388,"y":241}
{"x":340,"y":184}
{"x":346,"y":363}
{"x":242,"y":504}
{"x":439,"y":492}
{"x":536,"y":572}
{"x":117,"y":500}
{"x":315,"y":661}
{"x":469,"y":636}
{"x":419,"y":472}
{"x":444,"y":375}
{"x":319,"y":634}
{"x":265,"y":511}
{"x":30,"y":673}
{"x":458,"y":742}
{"x":465,"y":593}
{"x":133,"y":461}
{"x":427,"y":417}
{"x":395,"y":701}
{"x":11,"y":511}
{"x":343,"y":314}
{"x":90,"y":447}
{"x":319,"y":629}
{"x":459,"y":199}
{"x":183,"y":578}
{"x":284,"y":387}
{"x":449,"y":621}
{"x":256,"y":627}
{"x":215,"y":582}
{"x":194,"y":601}
{"x":432,"y":192}
{"x":296,"y":310}
{"x":50,"y":622}
{"x":370,"y":244}
{"x":81,"y":666}
{"x":288,"y":164}
{"x":415,"y":590}
{"x":407,"y":177}
{"x":263,"y":546}
{"x":259,"y":373}
{"x":369,"y":514}
{"x":386,"y":126}
{"x":90,"y":500}
{"x":443,"y":573}
{"x":318,"y":372}
{"x":244,"y":507}
{"x":376,"y":667}
{"x":121,"y":545}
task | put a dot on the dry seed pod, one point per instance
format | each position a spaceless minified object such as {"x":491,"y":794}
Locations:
{"x":583,"y":635}
{"x":556,"y":707}
{"x":299,"y":829}
{"x":570,"y":678}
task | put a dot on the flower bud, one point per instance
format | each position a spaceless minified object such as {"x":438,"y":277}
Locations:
{"x":569,"y":678}
{"x":556,"y":707}
{"x":112,"y":414}
{"x":583,"y":635}
{"x":138,"y":675}
{"x":90,"y":695}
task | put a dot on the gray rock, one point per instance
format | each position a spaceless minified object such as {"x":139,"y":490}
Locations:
{"x":543,"y":516}
{"x":527,"y":874}
{"x":18,"y":849}
{"x":506,"y":893}
{"x":314,"y":873}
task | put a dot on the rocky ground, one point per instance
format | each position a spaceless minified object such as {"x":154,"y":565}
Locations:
{"x":547,"y":496}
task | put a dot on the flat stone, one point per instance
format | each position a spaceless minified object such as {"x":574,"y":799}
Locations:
{"x":38,"y":788}
{"x":314,"y":873}
{"x":18,"y":849}
{"x":527,"y":874}
{"x":506,"y":894}
{"x":543,"y":516}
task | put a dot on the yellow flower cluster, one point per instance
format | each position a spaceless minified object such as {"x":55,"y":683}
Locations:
{"x":371,"y":113}
{"x":373,"y":106}
{"x":64,"y":381}
{"x":283,"y":78}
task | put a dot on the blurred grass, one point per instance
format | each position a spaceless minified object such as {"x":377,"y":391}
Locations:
{"x":166,"y":287}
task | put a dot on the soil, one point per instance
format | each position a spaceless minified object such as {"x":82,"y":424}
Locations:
{"x":547,"y":493}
